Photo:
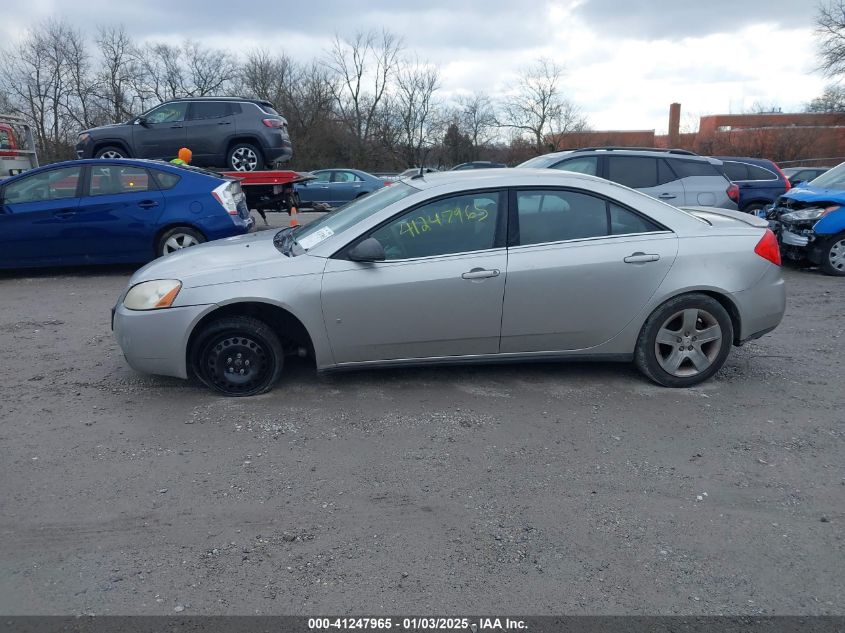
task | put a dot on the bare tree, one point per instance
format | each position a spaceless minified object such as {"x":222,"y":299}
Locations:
{"x":266,"y":76}
{"x":46,"y":79}
{"x":208,"y":71}
{"x":831,"y":100}
{"x":830,"y":27}
{"x":538,"y":108}
{"x":118,"y":67}
{"x":363,"y":67}
{"x":477,"y":119}
{"x":415,"y":110}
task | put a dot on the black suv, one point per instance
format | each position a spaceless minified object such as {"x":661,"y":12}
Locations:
{"x":227,"y":132}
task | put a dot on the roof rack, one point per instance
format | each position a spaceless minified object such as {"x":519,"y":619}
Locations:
{"x":637,"y":149}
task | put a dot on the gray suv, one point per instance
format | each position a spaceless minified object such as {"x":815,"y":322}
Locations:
{"x":675,"y":176}
{"x":228,"y":132}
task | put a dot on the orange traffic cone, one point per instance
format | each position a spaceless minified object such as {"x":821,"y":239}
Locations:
{"x":293,"y":220}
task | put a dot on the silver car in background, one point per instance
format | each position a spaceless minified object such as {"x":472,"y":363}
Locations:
{"x":479,"y":266}
{"x":675,"y":176}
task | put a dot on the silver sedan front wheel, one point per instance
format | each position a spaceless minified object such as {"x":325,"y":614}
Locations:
{"x":688,"y":342}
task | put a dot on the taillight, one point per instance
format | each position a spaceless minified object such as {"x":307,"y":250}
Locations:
{"x":275,"y":123}
{"x":768,"y":248}
{"x":785,"y":179}
{"x":223,"y":194}
{"x":733,"y":192}
{"x":387,"y":183}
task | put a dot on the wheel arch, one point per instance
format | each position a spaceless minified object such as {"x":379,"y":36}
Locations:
{"x":98,"y":145}
{"x":291,"y":330}
{"x":245,"y":138}
{"x":724,"y":300}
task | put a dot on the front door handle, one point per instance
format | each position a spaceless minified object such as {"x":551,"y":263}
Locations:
{"x":147,"y":204}
{"x":641,"y":258}
{"x":480,"y":273}
{"x":174,"y":127}
{"x":667,"y":196}
{"x":64,"y":214}
{"x":225,"y":123}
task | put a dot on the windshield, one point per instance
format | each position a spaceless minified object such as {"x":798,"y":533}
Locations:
{"x":308,"y":236}
{"x":834,"y":179}
{"x":540,"y":161}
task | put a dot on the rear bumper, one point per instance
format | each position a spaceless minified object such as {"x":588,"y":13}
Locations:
{"x":279,"y":152}
{"x":155,"y":341}
{"x":761,"y":307}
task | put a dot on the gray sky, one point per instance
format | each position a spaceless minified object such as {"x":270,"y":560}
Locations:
{"x":625,"y":61}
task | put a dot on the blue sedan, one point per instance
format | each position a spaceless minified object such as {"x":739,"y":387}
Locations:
{"x":114,"y":211}
{"x":336,"y":187}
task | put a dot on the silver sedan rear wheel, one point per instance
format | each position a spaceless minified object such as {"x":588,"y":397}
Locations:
{"x":688,"y":342}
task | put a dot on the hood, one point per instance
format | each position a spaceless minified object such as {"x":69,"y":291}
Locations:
{"x":812,"y":194}
{"x":232,"y":259}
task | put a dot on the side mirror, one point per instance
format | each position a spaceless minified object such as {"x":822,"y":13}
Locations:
{"x":370,"y":250}
{"x":796,"y":183}
{"x":142,"y":120}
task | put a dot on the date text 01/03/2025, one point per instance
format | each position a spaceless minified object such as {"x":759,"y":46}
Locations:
{"x":417,"y":624}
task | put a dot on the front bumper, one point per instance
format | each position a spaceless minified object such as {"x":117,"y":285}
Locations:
{"x":156,"y":341}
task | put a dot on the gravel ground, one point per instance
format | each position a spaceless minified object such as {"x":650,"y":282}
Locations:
{"x":533,"y":489}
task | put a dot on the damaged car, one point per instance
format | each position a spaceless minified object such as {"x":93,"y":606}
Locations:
{"x":809,"y":222}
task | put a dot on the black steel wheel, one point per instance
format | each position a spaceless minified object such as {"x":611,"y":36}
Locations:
{"x":238,"y":356}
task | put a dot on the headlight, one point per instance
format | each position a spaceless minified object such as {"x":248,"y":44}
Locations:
{"x":808,"y":214}
{"x":82,"y":138}
{"x":152,"y":295}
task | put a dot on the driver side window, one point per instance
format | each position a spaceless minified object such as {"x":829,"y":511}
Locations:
{"x":457,"y":224}
{"x":168,"y":113}
{"x":48,"y":185}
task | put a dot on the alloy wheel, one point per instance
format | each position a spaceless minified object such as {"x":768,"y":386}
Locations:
{"x":111,"y":154}
{"x":244,"y":159}
{"x":178,"y":241}
{"x":688,"y":342}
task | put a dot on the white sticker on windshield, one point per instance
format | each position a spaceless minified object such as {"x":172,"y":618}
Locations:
{"x":310,"y":241}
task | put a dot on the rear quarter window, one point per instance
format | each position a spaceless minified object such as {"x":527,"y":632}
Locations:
{"x":165,"y":179}
{"x":685,"y":168}
{"x":760,"y":173}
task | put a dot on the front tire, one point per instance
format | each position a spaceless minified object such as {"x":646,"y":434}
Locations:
{"x":245,"y":157}
{"x":238,"y":356}
{"x":178,"y":238}
{"x":111,"y":151}
{"x":685,"y":341}
{"x":833,"y":258}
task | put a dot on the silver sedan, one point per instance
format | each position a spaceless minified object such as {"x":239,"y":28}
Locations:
{"x":483,"y":266}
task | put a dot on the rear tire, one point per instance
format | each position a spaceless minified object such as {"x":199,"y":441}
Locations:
{"x":238,"y":356}
{"x":111,"y":151}
{"x":245,"y":157}
{"x":685,"y":341}
{"x":833,"y":257}
{"x":178,"y":238}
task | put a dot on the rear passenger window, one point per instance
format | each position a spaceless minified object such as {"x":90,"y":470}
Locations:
{"x":735,"y":171}
{"x":108,"y":180}
{"x":164,"y":179}
{"x":637,"y":172}
{"x":623,"y":221}
{"x":554,"y":216}
{"x":685,"y":168}
{"x":585,"y":165}
{"x":209,"y":110}
{"x":760,"y":173}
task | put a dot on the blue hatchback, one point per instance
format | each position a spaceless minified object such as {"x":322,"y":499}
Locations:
{"x":114,"y":211}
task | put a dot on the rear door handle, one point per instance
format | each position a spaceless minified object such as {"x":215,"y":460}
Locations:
{"x":225,"y":123}
{"x":641,"y":258}
{"x":173,"y":127}
{"x":667,"y":196}
{"x":480,"y":273}
{"x":147,"y":204}
{"x":64,"y":214}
